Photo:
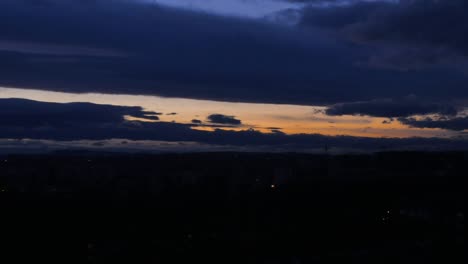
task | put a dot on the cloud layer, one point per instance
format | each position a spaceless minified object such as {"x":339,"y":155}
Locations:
{"x":410,"y":35}
{"x":26,"y":113}
{"x":224,"y":119}
{"x":401,"y":107}
{"x":457,"y":124}
{"x":71,"y":123}
{"x":129,"y":47}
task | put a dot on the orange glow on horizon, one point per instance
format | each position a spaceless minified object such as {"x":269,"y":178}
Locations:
{"x":289,"y":119}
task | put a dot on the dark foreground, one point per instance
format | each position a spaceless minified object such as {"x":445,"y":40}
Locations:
{"x":235,"y":208}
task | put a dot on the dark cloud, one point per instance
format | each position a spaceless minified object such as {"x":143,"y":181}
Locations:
{"x":180,"y":53}
{"x":224,"y":119}
{"x":411,"y":34}
{"x":277,"y":131}
{"x":153,"y":116}
{"x":402,"y":107}
{"x":26,"y":113}
{"x":54,"y":50}
{"x":196,"y":121}
{"x":407,"y":58}
{"x":75,"y":121}
{"x":388,"y":121}
{"x":457,"y":124}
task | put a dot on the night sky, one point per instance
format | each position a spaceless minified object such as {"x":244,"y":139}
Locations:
{"x":244,"y":75}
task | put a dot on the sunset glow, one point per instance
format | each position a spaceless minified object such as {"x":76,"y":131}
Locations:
{"x":289,"y":119}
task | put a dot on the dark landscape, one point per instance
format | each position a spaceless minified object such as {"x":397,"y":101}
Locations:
{"x":402,"y":207}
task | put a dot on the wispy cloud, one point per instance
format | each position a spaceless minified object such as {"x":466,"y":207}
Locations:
{"x":56,"y":49}
{"x":240,"y":8}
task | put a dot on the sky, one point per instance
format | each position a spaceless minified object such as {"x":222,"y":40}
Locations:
{"x":242,"y":75}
